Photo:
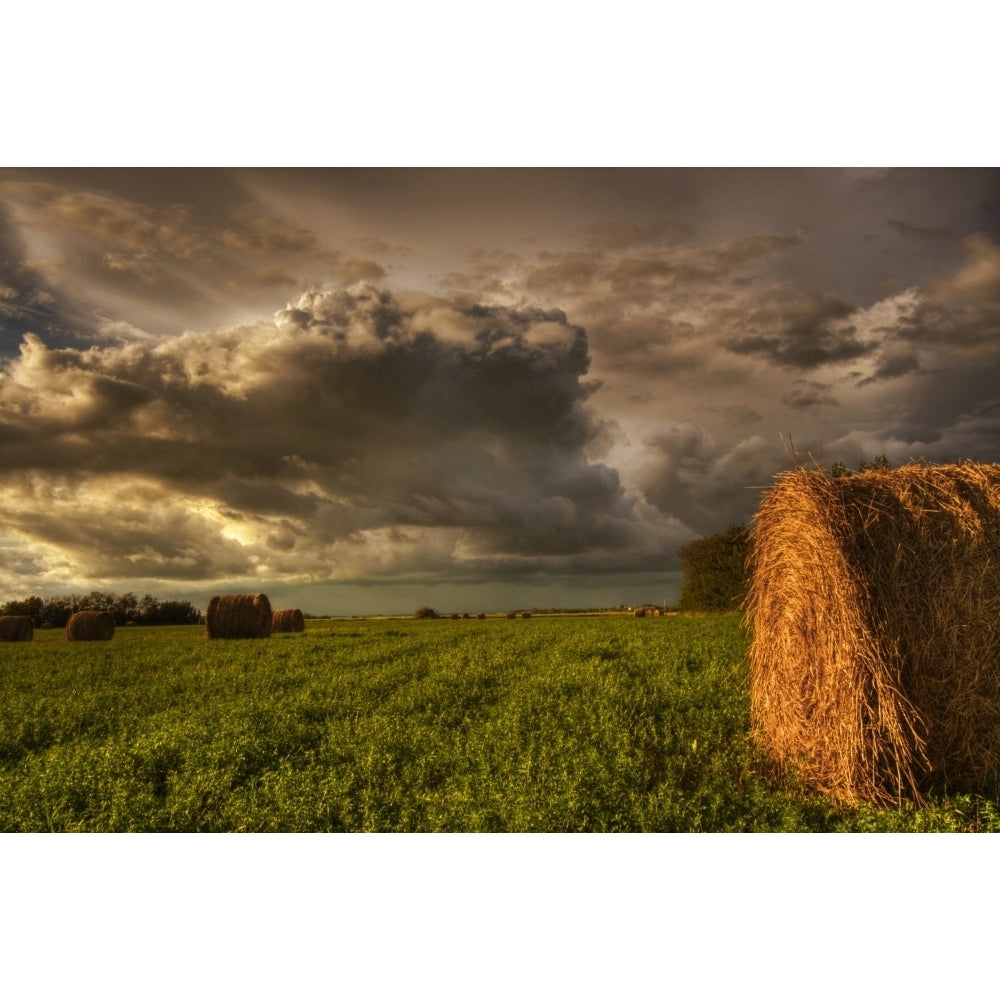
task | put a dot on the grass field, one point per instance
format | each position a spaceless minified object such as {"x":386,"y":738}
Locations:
{"x":550,"y":724}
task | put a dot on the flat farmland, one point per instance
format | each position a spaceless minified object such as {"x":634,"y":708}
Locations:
{"x":551,"y":724}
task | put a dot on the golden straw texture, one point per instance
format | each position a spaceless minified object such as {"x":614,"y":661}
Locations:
{"x":90,"y":626}
{"x":238,"y":616}
{"x":16,"y":628}
{"x":288,"y":620}
{"x":874,"y":608}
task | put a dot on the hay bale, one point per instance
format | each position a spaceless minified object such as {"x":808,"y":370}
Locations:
{"x":238,"y":616}
{"x":525,"y":614}
{"x":639,"y":613}
{"x":511,"y":614}
{"x":874,"y":606}
{"x":16,"y":628}
{"x":288,"y":620}
{"x":480,"y":615}
{"x":90,"y":626}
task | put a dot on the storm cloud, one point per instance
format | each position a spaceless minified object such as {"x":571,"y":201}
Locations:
{"x":357,"y":432}
{"x":390,"y":377}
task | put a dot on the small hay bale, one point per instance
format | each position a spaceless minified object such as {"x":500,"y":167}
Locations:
{"x":874,"y":605}
{"x":90,"y":626}
{"x":480,"y":615}
{"x":16,"y":628}
{"x":525,"y":614}
{"x":511,"y":614}
{"x":639,"y":613}
{"x":288,"y":620}
{"x":238,"y":616}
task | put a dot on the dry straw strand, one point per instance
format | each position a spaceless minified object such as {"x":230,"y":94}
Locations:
{"x":90,"y":626}
{"x":16,"y":628}
{"x":288,"y":620}
{"x":874,"y":608}
{"x":238,"y":616}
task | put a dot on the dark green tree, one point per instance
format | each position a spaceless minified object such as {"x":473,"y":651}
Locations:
{"x":715,"y":571}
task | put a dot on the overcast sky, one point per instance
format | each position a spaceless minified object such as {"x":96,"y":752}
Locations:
{"x":364,"y":390}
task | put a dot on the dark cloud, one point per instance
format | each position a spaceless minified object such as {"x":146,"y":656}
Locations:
{"x":800,"y":332}
{"x":892,"y":364}
{"x":809,"y":395}
{"x":920,"y":232}
{"x":705,"y":482}
{"x":353,"y":413}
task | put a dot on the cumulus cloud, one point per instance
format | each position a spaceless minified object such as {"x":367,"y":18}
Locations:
{"x":357,"y":433}
{"x":704,"y":481}
{"x":800,"y":331}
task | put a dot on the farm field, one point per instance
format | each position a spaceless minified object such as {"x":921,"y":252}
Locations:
{"x":550,"y":724}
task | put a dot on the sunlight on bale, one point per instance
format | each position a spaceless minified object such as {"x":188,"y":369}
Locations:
{"x":90,"y":626}
{"x":288,"y":620}
{"x":238,"y":616}
{"x":16,"y":628}
{"x":874,"y":608}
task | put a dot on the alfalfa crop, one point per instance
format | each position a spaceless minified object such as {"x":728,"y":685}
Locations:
{"x":288,"y":620}
{"x":90,"y":626}
{"x":238,"y":616}
{"x":874,"y":606}
{"x":16,"y":628}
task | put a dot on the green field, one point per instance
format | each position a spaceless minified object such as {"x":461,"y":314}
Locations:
{"x":549,"y":724}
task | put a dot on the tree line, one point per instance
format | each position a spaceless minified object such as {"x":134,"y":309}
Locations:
{"x":124,"y":608}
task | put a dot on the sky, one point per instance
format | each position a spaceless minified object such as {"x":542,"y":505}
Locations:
{"x":363,"y":390}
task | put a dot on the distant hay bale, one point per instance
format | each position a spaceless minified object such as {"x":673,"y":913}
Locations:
{"x":639,"y":613}
{"x":16,"y":628}
{"x":288,"y":620}
{"x":525,"y":614}
{"x":480,"y":615}
{"x":90,"y":626}
{"x":238,"y":616}
{"x":511,"y":614}
{"x":874,"y":605}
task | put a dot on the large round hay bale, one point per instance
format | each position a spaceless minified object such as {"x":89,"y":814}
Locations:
{"x":90,"y":626}
{"x":874,"y":606}
{"x":288,"y":620}
{"x":238,"y":616}
{"x":16,"y":628}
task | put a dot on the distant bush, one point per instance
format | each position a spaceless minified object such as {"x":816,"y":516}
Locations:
{"x":715,"y":571}
{"x":425,"y":612}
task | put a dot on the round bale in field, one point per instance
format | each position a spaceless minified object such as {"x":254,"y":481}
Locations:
{"x":874,"y":607}
{"x":16,"y":628}
{"x":238,"y":616}
{"x":288,"y":620}
{"x":90,"y":626}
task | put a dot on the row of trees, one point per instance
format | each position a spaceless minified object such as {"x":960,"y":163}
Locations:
{"x":124,"y":608}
